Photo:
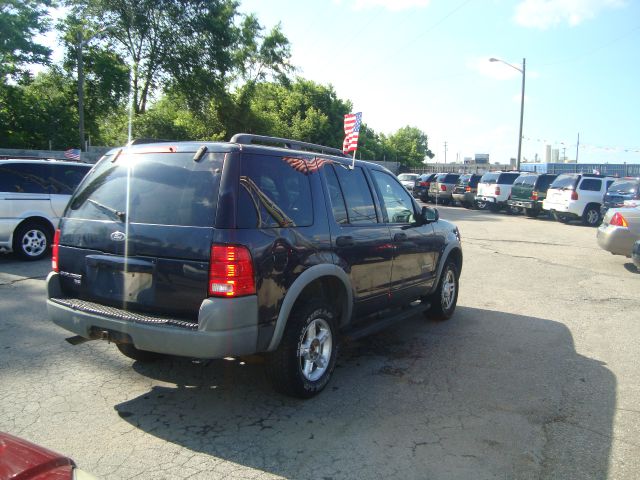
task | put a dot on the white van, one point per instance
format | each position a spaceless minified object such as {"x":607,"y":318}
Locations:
{"x":33,"y":196}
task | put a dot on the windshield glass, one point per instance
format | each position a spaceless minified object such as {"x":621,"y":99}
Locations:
{"x":624,"y":186}
{"x":158,"y":188}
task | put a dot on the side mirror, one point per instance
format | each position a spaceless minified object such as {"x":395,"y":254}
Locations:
{"x":429,"y":215}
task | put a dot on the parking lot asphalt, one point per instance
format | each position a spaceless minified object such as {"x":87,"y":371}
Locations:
{"x":535,"y":376}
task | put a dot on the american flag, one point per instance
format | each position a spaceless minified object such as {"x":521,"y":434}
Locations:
{"x":352,"y":123}
{"x":306,"y":166}
{"x":72,"y":154}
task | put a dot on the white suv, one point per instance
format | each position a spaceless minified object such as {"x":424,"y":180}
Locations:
{"x":494,"y":189}
{"x":33,"y":196}
{"x":577,"y":196}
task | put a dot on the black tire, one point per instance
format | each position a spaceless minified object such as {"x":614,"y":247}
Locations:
{"x":511,"y":210}
{"x":128,"y":350}
{"x":561,"y":218}
{"x":591,"y":216}
{"x":290,"y":371}
{"x":481,"y":205}
{"x":31,"y":240}
{"x":467,"y":205}
{"x":532,"y":212}
{"x":443,"y":301}
{"x":493,"y":208}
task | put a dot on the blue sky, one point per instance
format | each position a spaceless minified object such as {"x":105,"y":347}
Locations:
{"x":425,"y":63}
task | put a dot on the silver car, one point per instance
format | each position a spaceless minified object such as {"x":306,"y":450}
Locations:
{"x":619,"y":230}
{"x":408,"y":180}
{"x":33,"y":196}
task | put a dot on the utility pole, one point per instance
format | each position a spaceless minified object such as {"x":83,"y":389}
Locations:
{"x":445,"y":152}
{"x":577,"y":147}
{"x":81,"y":90}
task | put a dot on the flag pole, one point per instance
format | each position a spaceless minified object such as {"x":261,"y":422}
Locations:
{"x":353,"y":162}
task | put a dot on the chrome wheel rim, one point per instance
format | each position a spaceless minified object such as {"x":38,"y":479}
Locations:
{"x":314,"y":352}
{"x":34,"y":243}
{"x":448,"y":289}
{"x":592,"y":217}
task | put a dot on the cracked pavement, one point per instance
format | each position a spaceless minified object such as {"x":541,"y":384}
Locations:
{"x":535,"y":377}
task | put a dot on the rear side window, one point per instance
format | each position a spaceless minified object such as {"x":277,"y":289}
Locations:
{"x":24,"y":178}
{"x":463,"y":180}
{"x":591,"y":184}
{"x":357,"y":195}
{"x":164,"y":189}
{"x":473,"y":182}
{"x":274,"y":192}
{"x":624,"y":186}
{"x":507,"y":178}
{"x":65,"y":178}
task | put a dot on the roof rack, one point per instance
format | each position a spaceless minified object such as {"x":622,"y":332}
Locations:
{"x":140,"y":141}
{"x":249,"y":139}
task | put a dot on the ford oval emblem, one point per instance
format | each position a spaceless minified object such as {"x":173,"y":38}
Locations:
{"x":118,"y":236}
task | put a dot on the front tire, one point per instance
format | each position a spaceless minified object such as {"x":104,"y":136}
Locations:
{"x":31,"y":241}
{"x":444,"y":299}
{"x":532,"y":212}
{"x":306,"y":357}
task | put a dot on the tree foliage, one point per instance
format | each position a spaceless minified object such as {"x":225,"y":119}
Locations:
{"x":20,"y":22}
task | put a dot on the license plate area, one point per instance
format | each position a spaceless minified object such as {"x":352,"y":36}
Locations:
{"x":120,"y":280}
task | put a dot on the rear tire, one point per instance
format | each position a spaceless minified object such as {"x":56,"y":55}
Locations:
{"x":532,"y":212}
{"x":481,"y":205}
{"x":493,"y":208}
{"x":591,"y":216}
{"x":443,"y":301}
{"x":303,"y":363}
{"x":561,"y":218}
{"x":144,"y":356}
{"x":31,"y":240}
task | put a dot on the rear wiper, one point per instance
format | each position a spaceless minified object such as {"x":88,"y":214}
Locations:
{"x":122,"y":216}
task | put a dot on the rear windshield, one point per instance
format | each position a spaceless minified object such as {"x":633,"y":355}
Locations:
{"x":624,"y":186}
{"x":151,"y":188}
{"x":463,"y":180}
{"x":565,"y":182}
{"x":507,"y":178}
{"x":450,"y":178}
{"x":544,"y":181}
{"x":529,"y":180}
{"x":489,"y":178}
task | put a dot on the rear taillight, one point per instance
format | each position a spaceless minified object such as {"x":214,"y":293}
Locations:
{"x":54,"y":251}
{"x":427,"y":184}
{"x":618,"y":220}
{"x":497,"y":190}
{"x":231,"y":271}
{"x":574,"y":195}
{"x":443,"y":188}
{"x":424,"y":184}
{"x":534,"y":195}
{"x":467,"y":188}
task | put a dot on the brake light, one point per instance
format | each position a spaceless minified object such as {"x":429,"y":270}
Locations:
{"x":443,"y":188}
{"x":467,"y":188}
{"x":497,"y":190}
{"x":427,"y":184}
{"x":424,"y":184}
{"x":534,"y":195}
{"x":231,"y":271}
{"x":618,"y":220}
{"x":574,"y":195}
{"x":54,"y":251}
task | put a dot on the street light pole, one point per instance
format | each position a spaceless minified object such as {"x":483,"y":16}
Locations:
{"x":523,"y":72}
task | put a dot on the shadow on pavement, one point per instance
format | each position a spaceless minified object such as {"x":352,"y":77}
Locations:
{"x":484,"y":395}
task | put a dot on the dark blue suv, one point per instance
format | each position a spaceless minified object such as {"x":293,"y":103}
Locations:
{"x":259,"y":245}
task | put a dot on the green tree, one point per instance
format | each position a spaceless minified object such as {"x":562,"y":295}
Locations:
{"x":20,"y":22}
{"x":195,"y":47}
{"x":410,"y":144}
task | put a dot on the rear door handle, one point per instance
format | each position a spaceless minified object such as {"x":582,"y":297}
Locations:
{"x":344,"y":241}
{"x":399,"y":237}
